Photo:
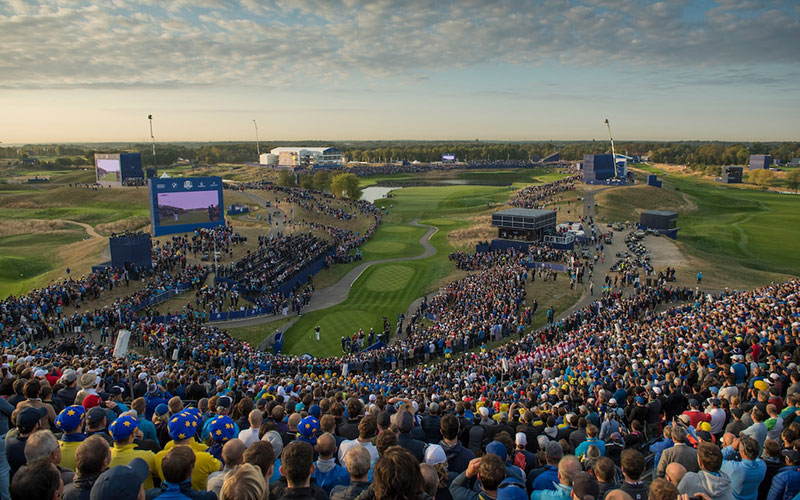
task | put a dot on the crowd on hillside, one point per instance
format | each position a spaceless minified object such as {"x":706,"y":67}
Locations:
{"x":702,"y":387}
{"x":538,"y":196}
{"x":710,"y":386}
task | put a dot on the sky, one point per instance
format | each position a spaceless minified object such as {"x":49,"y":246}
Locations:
{"x":77,"y":71}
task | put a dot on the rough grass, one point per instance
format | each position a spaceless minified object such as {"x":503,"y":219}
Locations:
{"x":628,"y":202}
{"x":32,"y":260}
{"x":256,"y":333}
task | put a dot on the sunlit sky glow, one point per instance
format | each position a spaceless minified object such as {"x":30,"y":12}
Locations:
{"x":72,"y":70}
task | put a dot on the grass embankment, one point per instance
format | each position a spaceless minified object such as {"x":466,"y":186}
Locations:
{"x":256,"y":333}
{"x":388,"y":289}
{"x":747,"y":235}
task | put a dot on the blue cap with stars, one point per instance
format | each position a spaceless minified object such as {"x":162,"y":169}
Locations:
{"x":123,"y":427}
{"x":222,"y":428}
{"x":182,"y":426}
{"x":70,"y":418}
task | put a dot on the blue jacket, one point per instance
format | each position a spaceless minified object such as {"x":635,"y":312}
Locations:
{"x":327,"y":475}
{"x":181,"y":491}
{"x":581,"y":449}
{"x":785,"y":484}
{"x":659,"y":447}
{"x":547,"y":479}
{"x":745,"y":476}
{"x":458,"y":457}
{"x":561,"y":493}
{"x":148,"y":429}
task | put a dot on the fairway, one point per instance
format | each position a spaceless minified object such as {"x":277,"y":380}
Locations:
{"x":388,"y":289}
{"x":757,"y":229}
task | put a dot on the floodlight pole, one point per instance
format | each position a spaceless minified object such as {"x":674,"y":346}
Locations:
{"x":258,"y":148}
{"x":153,"y":138}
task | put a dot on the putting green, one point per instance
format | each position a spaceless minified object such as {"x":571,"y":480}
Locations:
{"x":384,"y":246}
{"x":389,"y":278}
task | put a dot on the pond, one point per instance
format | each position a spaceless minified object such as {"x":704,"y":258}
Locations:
{"x":373,"y":193}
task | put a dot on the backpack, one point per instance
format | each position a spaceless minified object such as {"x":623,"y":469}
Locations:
{"x":520,"y":460}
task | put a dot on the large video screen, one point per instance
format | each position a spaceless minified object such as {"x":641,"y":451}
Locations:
{"x":448,"y":157}
{"x":131,"y":166}
{"x":188,"y":207}
{"x":108,"y":170}
{"x":181,"y":205}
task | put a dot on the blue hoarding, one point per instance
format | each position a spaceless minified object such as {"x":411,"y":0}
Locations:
{"x":183,"y":204}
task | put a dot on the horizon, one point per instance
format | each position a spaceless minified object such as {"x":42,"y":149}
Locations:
{"x":356,"y":70}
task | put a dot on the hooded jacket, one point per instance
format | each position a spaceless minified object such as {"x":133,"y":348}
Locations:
{"x":716,"y":485}
{"x":327,"y":475}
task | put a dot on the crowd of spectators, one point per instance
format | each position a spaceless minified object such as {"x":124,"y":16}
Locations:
{"x":701,"y":389}
{"x":538,"y":196}
{"x":699,"y":400}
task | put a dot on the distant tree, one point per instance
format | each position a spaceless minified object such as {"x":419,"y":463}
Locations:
{"x":345,"y":185}
{"x":306,"y":181}
{"x":286,"y":179}
{"x":322,"y":180}
{"x":793,"y":179}
{"x":762,"y":178}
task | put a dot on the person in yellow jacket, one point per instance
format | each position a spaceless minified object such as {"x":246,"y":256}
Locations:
{"x":70,"y":420}
{"x":123,"y":432}
{"x":182,"y":428}
{"x":193,"y":442}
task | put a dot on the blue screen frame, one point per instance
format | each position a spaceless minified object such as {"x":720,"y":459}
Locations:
{"x":183,"y":185}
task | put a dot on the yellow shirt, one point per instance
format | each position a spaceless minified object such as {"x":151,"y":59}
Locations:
{"x":204,"y":465}
{"x":123,"y":454}
{"x":193,"y":444}
{"x":68,"y":449}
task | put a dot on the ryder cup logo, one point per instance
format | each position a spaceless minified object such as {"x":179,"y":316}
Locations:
{"x":187,"y":185}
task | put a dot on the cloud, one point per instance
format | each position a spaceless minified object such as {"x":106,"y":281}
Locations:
{"x":73,"y":43}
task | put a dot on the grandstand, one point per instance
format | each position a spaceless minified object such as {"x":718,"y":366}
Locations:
{"x":304,"y":157}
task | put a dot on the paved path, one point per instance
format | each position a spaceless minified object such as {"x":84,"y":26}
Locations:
{"x":338,"y":292}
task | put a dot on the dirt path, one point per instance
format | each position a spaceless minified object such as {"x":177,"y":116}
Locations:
{"x":89,"y":229}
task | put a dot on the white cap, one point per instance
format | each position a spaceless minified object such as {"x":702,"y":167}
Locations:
{"x":434,"y":454}
{"x":521,"y":439}
{"x":142,"y":376}
{"x":39,"y":373}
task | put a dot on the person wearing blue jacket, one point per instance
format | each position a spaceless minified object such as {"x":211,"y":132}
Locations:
{"x":746,"y":475}
{"x":591,"y":439}
{"x":786,"y":483}
{"x":327,"y":473}
{"x":664,"y":443}
{"x":547,"y":477}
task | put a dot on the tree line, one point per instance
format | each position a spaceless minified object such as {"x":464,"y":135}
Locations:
{"x":686,"y":153}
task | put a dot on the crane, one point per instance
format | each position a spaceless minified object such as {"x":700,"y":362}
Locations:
{"x":613,"y":153}
{"x":258,"y":148}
